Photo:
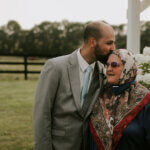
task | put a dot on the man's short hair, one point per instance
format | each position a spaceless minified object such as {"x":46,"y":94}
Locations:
{"x":92,"y":30}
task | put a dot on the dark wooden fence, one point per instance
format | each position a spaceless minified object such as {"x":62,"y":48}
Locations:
{"x":25,"y":63}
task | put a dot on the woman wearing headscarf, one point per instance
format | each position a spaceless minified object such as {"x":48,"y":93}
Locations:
{"x":120,"y":119}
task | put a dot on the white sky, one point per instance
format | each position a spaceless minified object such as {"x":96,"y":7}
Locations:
{"x":30,"y":12}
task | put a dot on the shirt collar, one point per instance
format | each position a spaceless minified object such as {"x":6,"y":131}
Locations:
{"x":82,"y":62}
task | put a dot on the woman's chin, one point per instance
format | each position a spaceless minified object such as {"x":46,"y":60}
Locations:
{"x":112,"y":82}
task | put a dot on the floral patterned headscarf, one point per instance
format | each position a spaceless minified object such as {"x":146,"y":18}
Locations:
{"x":129,"y":72}
{"x":110,"y":109}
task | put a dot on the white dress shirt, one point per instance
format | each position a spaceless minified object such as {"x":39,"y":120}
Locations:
{"x":83,"y":65}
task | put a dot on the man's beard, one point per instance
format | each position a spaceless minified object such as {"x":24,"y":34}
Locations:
{"x":102,"y":58}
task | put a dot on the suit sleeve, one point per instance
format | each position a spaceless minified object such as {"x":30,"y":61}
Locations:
{"x":44,"y":98}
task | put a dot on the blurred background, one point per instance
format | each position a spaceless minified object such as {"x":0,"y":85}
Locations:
{"x":31,"y":31}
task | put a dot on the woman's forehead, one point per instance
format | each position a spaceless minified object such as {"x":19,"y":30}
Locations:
{"x":114,"y":57}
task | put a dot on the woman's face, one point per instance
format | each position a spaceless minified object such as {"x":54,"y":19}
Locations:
{"x":114,"y":69}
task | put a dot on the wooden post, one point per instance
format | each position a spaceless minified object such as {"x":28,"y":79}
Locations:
{"x":133,"y":33}
{"x":25,"y":68}
{"x":135,"y":7}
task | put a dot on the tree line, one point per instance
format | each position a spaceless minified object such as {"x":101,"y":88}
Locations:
{"x":55,"y":38}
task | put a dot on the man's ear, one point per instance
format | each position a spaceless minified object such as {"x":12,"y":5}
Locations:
{"x":92,"y":42}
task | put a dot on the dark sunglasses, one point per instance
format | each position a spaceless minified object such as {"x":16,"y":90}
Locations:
{"x":113,"y":64}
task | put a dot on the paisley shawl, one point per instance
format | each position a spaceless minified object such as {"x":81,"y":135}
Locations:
{"x":111,"y":114}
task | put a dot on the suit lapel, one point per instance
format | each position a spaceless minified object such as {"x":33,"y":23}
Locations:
{"x":93,"y":93}
{"x":94,"y":90}
{"x":73,"y":70}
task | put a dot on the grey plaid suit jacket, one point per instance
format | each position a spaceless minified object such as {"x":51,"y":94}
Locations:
{"x":59,"y":121}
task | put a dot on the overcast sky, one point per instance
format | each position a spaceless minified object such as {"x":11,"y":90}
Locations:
{"x":30,"y":12}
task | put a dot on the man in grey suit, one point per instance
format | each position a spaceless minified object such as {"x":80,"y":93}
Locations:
{"x":60,"y":118}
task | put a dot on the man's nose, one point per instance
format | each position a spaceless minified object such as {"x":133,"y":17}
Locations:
{"x":113,"y":46}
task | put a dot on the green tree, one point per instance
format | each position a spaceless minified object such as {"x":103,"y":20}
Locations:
{"x":13,"y":30}
{"x":44,"y":39}
{"x":73,"y":36}
{"x":3,"y":42}
{"x":145,"y":35}
{"x":120,"y":36}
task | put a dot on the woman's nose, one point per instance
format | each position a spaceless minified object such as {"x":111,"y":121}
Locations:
{"x":108,"y":68}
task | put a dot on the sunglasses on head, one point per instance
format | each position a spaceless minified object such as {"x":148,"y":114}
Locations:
{"x":113,"y":64}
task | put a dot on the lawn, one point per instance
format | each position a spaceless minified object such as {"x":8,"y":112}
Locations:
{"x":16,"y":103}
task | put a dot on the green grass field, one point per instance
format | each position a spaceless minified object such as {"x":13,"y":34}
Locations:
{"x":16,"y":103}
{"x":16,"y":107}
